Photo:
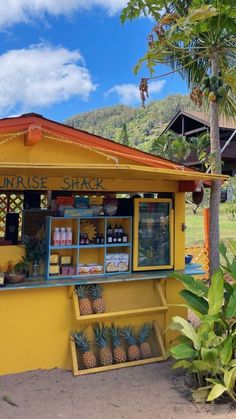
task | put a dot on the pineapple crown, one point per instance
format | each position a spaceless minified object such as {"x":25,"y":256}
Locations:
{"x":95,"y":291}
{"x":115,"y":333}
{"x":127,"y":333}
{"x":81,"y":291}
{"x":81,"y":341}
{"x":101,"y":335}
{"x":144,"y":332}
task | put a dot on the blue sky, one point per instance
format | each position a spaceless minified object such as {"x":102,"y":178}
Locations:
{"x":63,"y":57}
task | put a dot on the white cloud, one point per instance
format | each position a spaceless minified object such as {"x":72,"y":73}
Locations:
{"x":41,"y":76}
{"x":24,"y":10}
{"x":128,"y":94}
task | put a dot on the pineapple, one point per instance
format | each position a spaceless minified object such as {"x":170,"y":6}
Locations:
{"x":95,"y":292}
{"x":144,"y":347}
{"x":88,"y":357}
{"x":133,"y":349}
{"x":101,"y":339}
{"x":84,"y":302}
{"x":119,"y":354}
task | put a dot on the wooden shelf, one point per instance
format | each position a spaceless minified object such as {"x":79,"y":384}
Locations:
{"x":136,"y":312}
{"x":162,"y":357}
{"x":121,"y":314}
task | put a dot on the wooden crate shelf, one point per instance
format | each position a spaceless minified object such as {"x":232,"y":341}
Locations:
{"x":77,"y":371}
{"x":136,"y":312}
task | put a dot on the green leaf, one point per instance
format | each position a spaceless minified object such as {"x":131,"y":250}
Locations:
{"x":187,"y":330}
{"x":232,"y":363}
{"x":216,"y":392}
{"x":182,"y":351}
{"x":202,"y":13}
{"x":199,"y":366}
{"x":232,"y":242}
{"x":213,"y":381}
{"x":194,"y":285}
{"x":227,"y":351}
{"x":216,"y":292}
{"x":229,"y":378}
{"x":231,"y":306}
{"x":182,"y":364}
{"x":200,"y":395}
{"x":209,"y":355}
{"x":195,"y":302}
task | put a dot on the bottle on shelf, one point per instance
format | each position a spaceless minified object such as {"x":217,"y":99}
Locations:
{"x":120,"y":230}
{"x":97,"y":239}
{"x":56,"y":236}
{"x":119,"y":238}
{"x":81,"y":240}
{"x":109,"y":230}
{"x":116,"y":230}
{"x":115,"y":238}
{"x":102,"y":238}
{"x":86,"y":239}
{"x":69,"y":236}
{"x":62,"y":236}
{"x":124,"y":238}
{"x":109,"y":235}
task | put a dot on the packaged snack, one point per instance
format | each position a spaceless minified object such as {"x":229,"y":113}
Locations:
{"x":95,"y":268}
{"x":54,"y":259}
{"x":117,"y":262}
{"x":72,"y":270}
{"x":54,"y":270}
{"x":123,"y":264}
{"x":64,"y":270}
{"x":83,"y":269}
{"x":65,"y":260}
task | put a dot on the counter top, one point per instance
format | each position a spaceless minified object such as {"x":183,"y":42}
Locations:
{"x":190,"y":269}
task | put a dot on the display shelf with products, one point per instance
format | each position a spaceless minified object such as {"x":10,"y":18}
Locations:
{"x":126,"y":300}
{"x":85,"y":240}
{"x":157,"y":350}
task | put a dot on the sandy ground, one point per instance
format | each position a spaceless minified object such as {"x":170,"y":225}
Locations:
{"x":152,"y":391}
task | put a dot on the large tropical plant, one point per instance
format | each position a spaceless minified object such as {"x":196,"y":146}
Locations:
{"x":197,"y":39}
{"x":208,"y":350}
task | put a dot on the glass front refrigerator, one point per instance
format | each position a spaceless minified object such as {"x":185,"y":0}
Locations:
{"x":153,"y":234}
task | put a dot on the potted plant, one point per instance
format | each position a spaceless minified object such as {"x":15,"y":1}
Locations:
{"x":35,"y":251}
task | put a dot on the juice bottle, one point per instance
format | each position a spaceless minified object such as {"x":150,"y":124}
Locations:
{"x":62,"y":236}
{"x":68,"y":236}
{"x":56,"y":237}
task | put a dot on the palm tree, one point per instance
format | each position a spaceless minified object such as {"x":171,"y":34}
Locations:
{"x":197,"y":40}
{"x":172,"y":146}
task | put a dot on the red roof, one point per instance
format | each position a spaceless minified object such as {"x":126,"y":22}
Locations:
{"x":23,"y":122}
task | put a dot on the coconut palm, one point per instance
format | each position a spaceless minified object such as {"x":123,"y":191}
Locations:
{"x":197,"y":39}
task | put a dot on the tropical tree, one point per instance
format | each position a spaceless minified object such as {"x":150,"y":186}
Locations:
{"x":199,"y":147}
{"x":172,"y":146}
{"x":197,"y":39}
{"x":124,"y":138}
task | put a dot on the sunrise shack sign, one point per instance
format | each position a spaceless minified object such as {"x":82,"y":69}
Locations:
{"x":66,"y":183}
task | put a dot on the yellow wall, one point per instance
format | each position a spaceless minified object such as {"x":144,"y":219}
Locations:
{"x":11,"y":254}
{"x":34,"y":329}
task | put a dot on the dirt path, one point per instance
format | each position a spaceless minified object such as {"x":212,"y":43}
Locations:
{"x":148,"y":392}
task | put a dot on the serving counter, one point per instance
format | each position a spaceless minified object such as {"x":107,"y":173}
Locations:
{"x":40,"y":315}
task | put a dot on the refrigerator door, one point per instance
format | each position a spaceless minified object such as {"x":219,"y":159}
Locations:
{"x":153,"y":227}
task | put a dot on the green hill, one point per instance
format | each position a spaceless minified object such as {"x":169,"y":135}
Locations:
{"x":143,"y":124}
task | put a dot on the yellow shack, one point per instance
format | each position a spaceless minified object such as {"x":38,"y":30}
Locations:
{"x":110,"y":215}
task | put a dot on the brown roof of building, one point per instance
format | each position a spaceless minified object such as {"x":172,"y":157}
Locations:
{"x":203,"y":117}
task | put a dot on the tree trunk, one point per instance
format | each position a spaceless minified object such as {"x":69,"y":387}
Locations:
{"x":215,"y":168}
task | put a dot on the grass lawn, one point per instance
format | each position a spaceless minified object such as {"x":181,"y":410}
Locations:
{"x":195,"y":227}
